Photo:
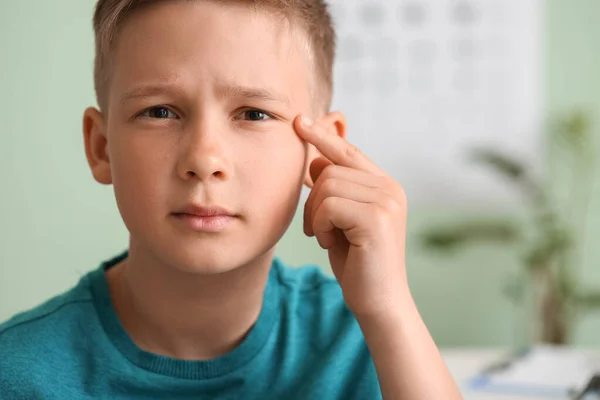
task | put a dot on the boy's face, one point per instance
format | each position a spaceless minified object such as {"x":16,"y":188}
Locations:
{"x":200,"y":109}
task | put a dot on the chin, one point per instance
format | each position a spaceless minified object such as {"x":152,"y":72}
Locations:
{"x":209,"y":253}
{"x":209,"y":257}
{"x":203,"y":261}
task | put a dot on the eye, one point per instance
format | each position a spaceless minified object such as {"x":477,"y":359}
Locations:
{"x":158,"y":112}
{"x":254,"y":115}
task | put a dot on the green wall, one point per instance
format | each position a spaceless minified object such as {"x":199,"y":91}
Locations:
{"x":573,"y":81}
{"x":58,"y":223}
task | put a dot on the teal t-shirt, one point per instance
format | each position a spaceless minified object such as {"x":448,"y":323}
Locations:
{"x":305,"y":345}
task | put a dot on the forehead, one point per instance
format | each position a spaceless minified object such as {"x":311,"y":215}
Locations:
{"x":203,"y":43}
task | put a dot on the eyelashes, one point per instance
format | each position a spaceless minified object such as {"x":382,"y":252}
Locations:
{"x":256,"y":115}
{"x":162,"y":112}
{"x":158,"y":112}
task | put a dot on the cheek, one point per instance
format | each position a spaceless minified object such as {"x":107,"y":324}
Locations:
{"x":274,"y":164}
{"x":272,"y":185}
{"x":137,"y":168}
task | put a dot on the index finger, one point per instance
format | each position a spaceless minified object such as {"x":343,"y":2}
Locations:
{"x":333,"y":147}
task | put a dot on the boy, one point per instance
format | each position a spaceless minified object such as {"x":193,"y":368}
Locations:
{"x":205,"y":129}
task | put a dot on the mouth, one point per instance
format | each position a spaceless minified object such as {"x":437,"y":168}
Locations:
{"x":211,"y":219}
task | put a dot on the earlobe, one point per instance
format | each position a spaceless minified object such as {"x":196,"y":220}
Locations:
{"x":95,"y":141}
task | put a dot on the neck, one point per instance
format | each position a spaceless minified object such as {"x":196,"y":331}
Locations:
{"x":181,"y":315}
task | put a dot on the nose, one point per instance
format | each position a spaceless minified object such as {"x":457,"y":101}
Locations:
{"x":204,"y":155}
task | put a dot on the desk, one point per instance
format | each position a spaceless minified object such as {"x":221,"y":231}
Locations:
{"x":465,"y":363}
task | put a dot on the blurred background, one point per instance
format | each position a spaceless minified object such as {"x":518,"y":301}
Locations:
{"x":487,"y":111}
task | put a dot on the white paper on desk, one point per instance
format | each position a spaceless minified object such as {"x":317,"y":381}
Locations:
{"x":543,"y":367}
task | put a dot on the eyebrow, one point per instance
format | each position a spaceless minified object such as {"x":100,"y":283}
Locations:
{"x":144,"y":91}
{"x":225,"y":91}
{"x":251,"y":93}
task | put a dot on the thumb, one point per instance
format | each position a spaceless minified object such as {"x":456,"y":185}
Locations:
{"x":317,"y":167}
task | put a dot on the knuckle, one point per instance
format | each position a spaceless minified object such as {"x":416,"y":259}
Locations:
{"x":329,"y":172}
{"x":323,"y":176}
{"x":391,"y":182}
{"x":402,"y":196}
{"x":329,"y":186}
{"x":395,"y":189}
{"x":351,"y":151}
{"x":380,"y":216}
{"x":330,"y":204}
{"x":391,"y":204}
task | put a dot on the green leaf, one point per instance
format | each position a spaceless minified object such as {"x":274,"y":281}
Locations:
{"x":549,"y":246}
{"x":575,"y":129}
{"x":502,"y":163}
{"x":442,"y":240}
{"x":588,"y":300}
{"x":450,"y":238}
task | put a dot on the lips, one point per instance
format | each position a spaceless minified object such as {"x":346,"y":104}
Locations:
{"x":206,"y":211}
{"x":212,"y":219}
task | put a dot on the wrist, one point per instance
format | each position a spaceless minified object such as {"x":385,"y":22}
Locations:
{"x":400,"y":310}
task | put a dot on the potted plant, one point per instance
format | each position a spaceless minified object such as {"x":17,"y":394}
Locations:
{"x":549,"y":238}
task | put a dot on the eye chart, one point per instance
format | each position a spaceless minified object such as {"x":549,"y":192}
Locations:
{"x":423,"y":81}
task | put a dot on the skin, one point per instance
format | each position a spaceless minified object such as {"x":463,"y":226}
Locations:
{"x":358,"y":213}
{"x":204,"y":106}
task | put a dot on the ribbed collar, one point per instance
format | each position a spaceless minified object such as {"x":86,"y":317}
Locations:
{"x":251,"y":345}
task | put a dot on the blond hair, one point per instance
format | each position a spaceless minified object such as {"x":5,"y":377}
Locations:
{"x":310,"y":15}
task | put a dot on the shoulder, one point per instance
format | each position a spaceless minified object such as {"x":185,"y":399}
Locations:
{"x":31,"y":339}
{"x":306,"y":278}
{"x":309,"y":289}
{"x":315,"y":302}
{"x":24,"y":321}
{"x":333,"y":358}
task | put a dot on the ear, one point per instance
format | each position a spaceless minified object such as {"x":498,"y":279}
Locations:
{"x":95,"y":141}
{"x":335,"y":122}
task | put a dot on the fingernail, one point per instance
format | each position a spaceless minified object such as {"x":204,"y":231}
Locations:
{"x":306,"y":121}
